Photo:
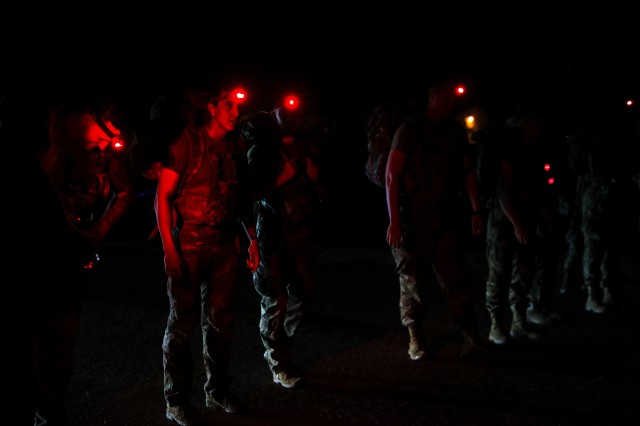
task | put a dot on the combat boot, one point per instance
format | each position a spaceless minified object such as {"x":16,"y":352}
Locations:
{"x":184,"y":415}
{"x":496,"y":333}
{"x":539,"y":317}
{"x":520,"y":329}
{"x":417,"y":345}
{"x":534,"y":316}
{"x":593,"y":305}
{"x":607,"y":298}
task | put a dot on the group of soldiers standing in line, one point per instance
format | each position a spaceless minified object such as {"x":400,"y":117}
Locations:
{"x":558,"y":203}
{"x":228,"y":182}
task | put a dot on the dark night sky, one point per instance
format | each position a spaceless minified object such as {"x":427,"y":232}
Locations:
{"x":343,"y":61}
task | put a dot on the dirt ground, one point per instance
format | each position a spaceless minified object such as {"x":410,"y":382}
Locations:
{"x":353,"y":351}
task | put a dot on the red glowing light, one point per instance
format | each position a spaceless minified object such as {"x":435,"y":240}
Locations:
{"x":291,"y":102}
{"x":117,"y":144}
{"x":239,"y":95}
{"x":551,"y":181}
{"x":547,"y":167}
{"x":460,"y":90}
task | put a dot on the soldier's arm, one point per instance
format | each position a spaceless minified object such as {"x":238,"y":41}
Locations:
{"x":123,"y":197}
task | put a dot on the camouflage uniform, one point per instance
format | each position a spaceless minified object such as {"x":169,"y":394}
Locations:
{"x":285,"y":279}
{"x":610,"y":204}
{"x":210,"y":190}
{"x":599,"y":209}
{"x":431,"y":215}
{"x":577,"y":156}
{"x":571,"y":266}
{"x":518,"y":274}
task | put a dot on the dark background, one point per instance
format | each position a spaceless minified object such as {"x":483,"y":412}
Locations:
{"x":342,"y":63}
{"x":353,"y":348}
{"x":343,"y":60}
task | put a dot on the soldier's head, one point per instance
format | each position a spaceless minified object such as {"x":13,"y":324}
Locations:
{"x":288,"y":120}
{"x":90,"y":134}
{"x":224,"y":106}
{"x":288,"y":115}
{"x":444,"y":96}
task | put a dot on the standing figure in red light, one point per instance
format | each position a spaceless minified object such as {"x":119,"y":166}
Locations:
{"x":86,"y":165}
{"x":202,"y":194}
{"x":285,"y":171}
{"x":88,"y":191}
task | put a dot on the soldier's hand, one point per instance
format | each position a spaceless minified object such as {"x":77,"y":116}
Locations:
{"x":254,"y":256}
{"x":174,"y":267}
{"x":394,"y":235}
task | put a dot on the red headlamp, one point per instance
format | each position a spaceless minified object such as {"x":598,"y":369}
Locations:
{"x":117,"y":142}
{"x":291,"y":102}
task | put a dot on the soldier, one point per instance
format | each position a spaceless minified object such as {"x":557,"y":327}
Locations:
{"x":609,"y":204}
{"x":94,"y":190}
{"x":201,"y":195}
{"x":285,"y":165}
{"x":578,"y":168}
{"x":521,"y":227}
{"x":429,"y":165}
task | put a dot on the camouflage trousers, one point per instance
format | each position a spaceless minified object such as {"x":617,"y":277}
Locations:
{"x":203,"y":298}
{"x":545,"y":278}
{"x":442,"y":252}
{"x":572,"y":263}
{"x":599,"y":228}
{"x":511,"y":269}
{"x":286,"y":282}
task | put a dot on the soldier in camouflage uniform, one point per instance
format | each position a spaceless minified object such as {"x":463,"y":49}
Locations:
{"x":521,"y":227}
{"x":201,"y":195}
{"x":609,"y":204}
{"x":577,"y":154}
{"x":285,"y":167}
{"x":429,"y":166}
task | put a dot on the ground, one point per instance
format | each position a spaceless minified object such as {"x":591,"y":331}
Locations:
{"x":353,"y":351}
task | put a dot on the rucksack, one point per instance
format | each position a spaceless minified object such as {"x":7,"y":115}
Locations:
{"x":381,"y":126}
{"x":490,"y":141}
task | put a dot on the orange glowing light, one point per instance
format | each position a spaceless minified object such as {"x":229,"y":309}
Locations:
{"x":470,"y":121}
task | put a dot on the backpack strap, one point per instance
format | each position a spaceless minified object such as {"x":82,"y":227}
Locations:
{"x":196,"y":150}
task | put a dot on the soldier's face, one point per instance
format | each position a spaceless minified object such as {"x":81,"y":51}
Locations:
{"x":96,"y":143}
{"x":225,"y":111}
